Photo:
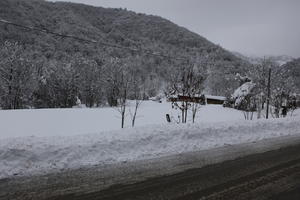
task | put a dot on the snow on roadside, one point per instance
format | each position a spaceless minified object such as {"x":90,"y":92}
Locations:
{"x":35,"y":155}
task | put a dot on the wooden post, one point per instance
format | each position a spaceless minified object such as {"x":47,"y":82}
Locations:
{"x":168,"y":118}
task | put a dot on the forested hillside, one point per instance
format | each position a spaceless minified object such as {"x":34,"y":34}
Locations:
{"x":40,"y":70}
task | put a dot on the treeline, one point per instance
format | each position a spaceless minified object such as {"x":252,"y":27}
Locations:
{"x":30,"y":80}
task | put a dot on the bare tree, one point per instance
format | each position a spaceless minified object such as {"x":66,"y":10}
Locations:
{"x":249,"y":106}
{"x":195,"y":107}
{"x":196,"y":81}
{"x":187,"y":82}
{"x":137,"y":89}
{"x":122,"y":99}
{"x":137,"y":104}
{"x":259,"y":75}
{"x":283,"y":88}
{"x":118,"y":79}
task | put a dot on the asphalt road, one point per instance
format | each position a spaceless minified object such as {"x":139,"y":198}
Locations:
{"x":271,"y":175}
{"x":274,"y":174}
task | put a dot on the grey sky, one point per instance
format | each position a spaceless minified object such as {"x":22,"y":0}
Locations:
{"x":252,"y":27}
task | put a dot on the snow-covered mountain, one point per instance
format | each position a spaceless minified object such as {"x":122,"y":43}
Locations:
{"x":280,"y":60}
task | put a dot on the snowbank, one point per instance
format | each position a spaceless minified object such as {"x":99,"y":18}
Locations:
{"x":34,"y":155}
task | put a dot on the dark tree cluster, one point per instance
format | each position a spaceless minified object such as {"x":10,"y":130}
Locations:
{"x":30,"y":80}
{"x":273,"y":84}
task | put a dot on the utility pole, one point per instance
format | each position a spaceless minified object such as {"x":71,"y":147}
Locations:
{"x":269,"y":92}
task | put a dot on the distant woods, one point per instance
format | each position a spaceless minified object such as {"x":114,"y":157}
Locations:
{"x":29,"y":80}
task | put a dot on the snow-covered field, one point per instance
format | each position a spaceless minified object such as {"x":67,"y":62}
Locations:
{"x":66,"y":122}
{"x":41,"y":141}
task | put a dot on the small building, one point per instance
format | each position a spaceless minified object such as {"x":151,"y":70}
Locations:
{"x":181,"y":98}
{"x":219,"y":100}
{"x":203,"y":99}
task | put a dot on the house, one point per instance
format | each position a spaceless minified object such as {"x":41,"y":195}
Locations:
{"x":209,"y":99}
{"x":200,"y":99}
{"x":203,"y":99}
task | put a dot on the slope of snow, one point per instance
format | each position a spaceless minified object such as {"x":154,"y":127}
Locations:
{"x":35,"y":154}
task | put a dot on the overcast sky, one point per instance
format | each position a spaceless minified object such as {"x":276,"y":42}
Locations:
{"x":252,"y":27}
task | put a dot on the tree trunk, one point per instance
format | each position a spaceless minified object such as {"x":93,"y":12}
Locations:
{"x":194,"y":116}
{"x":123,"y":117}
{"x":186,"y":109}
{"x":134,"y":115}
{"x":123,"y":106}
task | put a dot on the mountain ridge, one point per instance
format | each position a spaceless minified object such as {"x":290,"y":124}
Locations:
{"x":279,"y":59}
{"x":116,"y":27}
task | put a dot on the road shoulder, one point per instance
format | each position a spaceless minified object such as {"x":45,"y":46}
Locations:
{"x":101,"y":177}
